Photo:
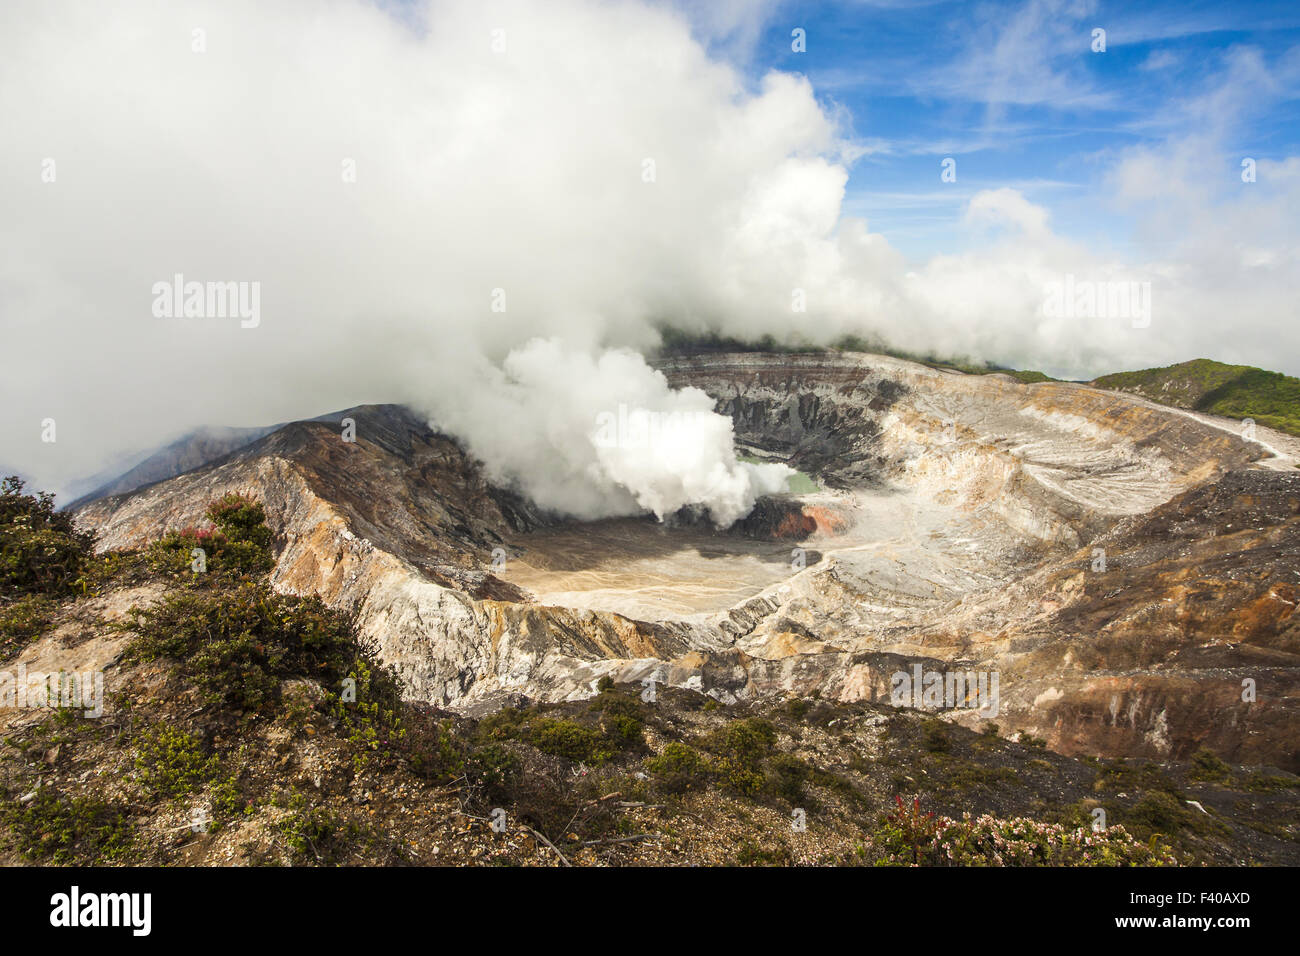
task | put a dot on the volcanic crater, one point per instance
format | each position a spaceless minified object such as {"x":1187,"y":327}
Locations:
{"x":1075,"y":540}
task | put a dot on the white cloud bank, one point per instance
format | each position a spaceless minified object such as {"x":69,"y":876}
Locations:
{"x":598,"y":168}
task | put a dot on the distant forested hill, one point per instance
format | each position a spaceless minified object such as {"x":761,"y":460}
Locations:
{"x":1203,"y":385}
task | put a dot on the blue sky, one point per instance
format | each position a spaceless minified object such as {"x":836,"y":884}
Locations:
{"x":1015,"y":94}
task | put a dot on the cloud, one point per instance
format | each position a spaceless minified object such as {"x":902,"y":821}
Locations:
{"x":424,"y":195}
{"x":1008,"y":206}
{"x":1159,"y":60}
{"x":1031,"y":54}
{"x":415,"y":198}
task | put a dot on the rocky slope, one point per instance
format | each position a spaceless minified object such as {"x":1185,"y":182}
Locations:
{"x":185,"y":454}
{"x":217,"y":721}
{"x":958,"y":525}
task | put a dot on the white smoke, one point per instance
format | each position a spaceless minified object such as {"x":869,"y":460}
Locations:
{"x":423,"y":189}
{"x":603,"y":436}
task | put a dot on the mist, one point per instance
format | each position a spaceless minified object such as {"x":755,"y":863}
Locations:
{"x":486,"y":211}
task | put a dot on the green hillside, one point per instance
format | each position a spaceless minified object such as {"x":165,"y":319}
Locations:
{"x":1203,"y":385}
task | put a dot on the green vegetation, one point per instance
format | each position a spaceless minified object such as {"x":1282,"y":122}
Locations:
{"x":1159,"y":813}
{"x":238,"y":644}
{"x":1121,"y":774}
{"x":1207,"y":766}
{"x":1233,"y":391}
{"x":909,"y":836}
{"x":936,"y":735}
{"x":314,"y":833}
{"x":566,"y":738}
{"x":42,"y":557}
{"x":679,"y":768}
{"x":742,"y":745}
{"x":1203,"y":385}
{"x":786,"y":777}
{"x":171,"y":764}
{"x":239,"y":544}
{"x":1259,"y":781}
{"x":53,"y":828}
{"x":1162,"y":810}
{"x":798,"y":707}
{"x":495,"y":768}
{"x":22,"y":620}
{"x":613,"y":725}
{"x":953,"y":776}
{"x":853,"y":343}
{"x":41,"y":552}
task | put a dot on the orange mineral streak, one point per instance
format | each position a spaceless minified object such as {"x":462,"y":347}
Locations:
{"x":826,"y":520}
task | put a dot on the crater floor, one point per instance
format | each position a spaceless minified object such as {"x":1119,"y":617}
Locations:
{"x":645,"y":570}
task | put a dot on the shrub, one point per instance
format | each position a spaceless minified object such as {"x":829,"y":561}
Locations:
{"x":1119,"y":774}
{"x":170,"y":763}
{"x":238,"y":644}
{"x":241,"y":519}
{"x":568,"y":739}
{"x":747,"y":740}
{"x":373,"y":721}
{"x":935,"y":736}
{"x":68,"y":830}
{"x":431,"y":747}
{"x":786,"y":777}
{"x":742,"y":745}
{"x":910,"y":836}
{"x":22,"y":621}
{"x":314,"y":833}
{"x":1207,"y":765}
{"x":508,"y":723}
{"x":1258,"y":781}
{"x":678,"y":768}
{"x":618,"y":730}
{"x":238,"y":544}
{"x":1161,"y":812}
{"x":621,"y":720}
{"x":907,"y":832}
{"x":495,"y":768}
{"x":41,"y":551}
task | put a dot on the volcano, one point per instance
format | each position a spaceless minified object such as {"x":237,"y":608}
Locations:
{"x":1128,"y":570}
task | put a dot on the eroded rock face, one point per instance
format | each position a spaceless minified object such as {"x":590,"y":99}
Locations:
{"x":957,"y":527}
{"x":1186,"y":638}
